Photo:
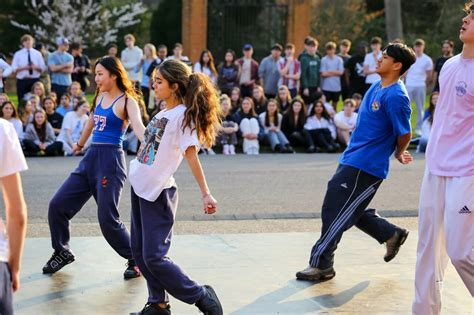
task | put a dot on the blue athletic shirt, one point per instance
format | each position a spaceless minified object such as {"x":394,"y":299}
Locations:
{"x":384,"y":115}
{"x":108,"y":128}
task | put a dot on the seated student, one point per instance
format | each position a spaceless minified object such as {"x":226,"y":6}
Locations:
{"x":72,"y":127}
{"x":292,"y":125}
{"x":74,"y":90}
{"x":358,"y":99}
{"x":235,"y":100}
{"x":259,"y":99}
{"x":26,"y":113}
{"x":37,"y":89}
{"x":271,"y":121}
{"x":250,"y":127}
{"x":55,"y":119}
{"x":3,"y":98}
{"x":427,"y":123}
{"x":227,"y":136}
{"x":9,"y":113}
{"x":64,"y":105}
{"x":35,"y":102}
{"x":318,"y":125}
{"x":345,"y":121}
{"x":39,"y":137}
{"x":283,"y":98}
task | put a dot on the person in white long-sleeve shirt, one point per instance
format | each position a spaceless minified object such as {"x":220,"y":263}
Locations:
{"x":5,"y":71}
{"x":345,"y":121}
{"x":131,"y":58}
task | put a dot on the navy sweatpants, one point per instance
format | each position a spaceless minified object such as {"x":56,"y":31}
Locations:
{"x":152,"y":230}
{"x":348,"y":194}
{"x":6,"y":292}
{"x":101,"y":174}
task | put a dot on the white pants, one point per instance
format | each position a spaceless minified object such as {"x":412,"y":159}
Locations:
{"x":250,"y":126}
{"x":446,"y":231}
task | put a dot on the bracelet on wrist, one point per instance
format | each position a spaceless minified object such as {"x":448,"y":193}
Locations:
{"x":80,"y":146}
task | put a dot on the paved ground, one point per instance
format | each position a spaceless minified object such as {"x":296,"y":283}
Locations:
{"x":246,"y":187}
{"x":252,"y":273}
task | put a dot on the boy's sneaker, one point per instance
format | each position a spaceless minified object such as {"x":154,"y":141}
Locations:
{"x":154,"y":309}
{"x":132,"y":270}
{"x":58,"y":261}
{"x":394,"y":243}
{"x":312,"y":274}
{"x":209,"y":304}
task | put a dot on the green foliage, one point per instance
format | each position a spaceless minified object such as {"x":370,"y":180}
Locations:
{"x":165,"y":23}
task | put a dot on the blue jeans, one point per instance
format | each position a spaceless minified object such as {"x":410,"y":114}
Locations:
{"x":276,"y":138}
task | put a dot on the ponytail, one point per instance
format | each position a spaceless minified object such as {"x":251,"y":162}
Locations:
{"x":202,"y":108}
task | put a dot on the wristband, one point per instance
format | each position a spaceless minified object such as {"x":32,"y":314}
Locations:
{"x":80,"y":146}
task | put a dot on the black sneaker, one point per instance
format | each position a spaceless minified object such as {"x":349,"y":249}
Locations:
{"x":394,"y":243}
{"x":209,"y":304}
{"x":132,"y":270}
{"x":154,"y":309}
{"x":58,"y":261}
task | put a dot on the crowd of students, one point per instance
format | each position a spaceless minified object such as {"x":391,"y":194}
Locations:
{"x":284,"y":101}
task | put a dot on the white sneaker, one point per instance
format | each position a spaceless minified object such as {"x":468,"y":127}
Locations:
{"x":225,"y":149}
{"x":255,"y":150}
{"x":211,"y":152}
{"x":231,"y":149}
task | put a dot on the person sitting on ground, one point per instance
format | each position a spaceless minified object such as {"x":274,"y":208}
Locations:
{"x":37,"y":89}
{"x":427,"y":123}
{"x":65,"y":105}
{"x":26,"y":113}
{"x":259,"y":99}
{"x":271,"y":121}
{"x":345,"y":122}
{"x":283,"y":98}
{"x":3,"y":98}
{"x":292,"y":125}
{"x":250,"y":127}
{"x":357,"y":99}
{"x":318,"y":125}
{"x":55,"y":119}
{"x":72,"y":127}
{"x":35,"y":102}
{"x":39,"y":137}
{"x":8,"y":112}
{"x":227,"y":136}
{"x":235,"y":99}
{"x":74,"y":90}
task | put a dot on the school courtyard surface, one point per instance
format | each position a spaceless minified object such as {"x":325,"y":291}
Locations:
{"x":267,"y":221}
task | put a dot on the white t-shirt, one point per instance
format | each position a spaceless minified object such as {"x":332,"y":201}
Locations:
{"x":75,"y":124}
{"x":12,"y":161}
{"x":416,"y":75}
{"x":371,"y":62}
{"x":161,"y":153}
{"x":341,"y":120}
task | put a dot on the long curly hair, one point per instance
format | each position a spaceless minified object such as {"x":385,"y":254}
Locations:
{"x":196,"y":90}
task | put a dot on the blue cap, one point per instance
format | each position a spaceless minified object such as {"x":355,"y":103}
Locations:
{"x":247,"y":47}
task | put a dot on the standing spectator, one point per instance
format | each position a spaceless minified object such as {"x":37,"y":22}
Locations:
{"x":5,"y":71}
{"x":82,"y":67}
{"x":249,"y":71}
{"x":206,"y":65}
{"x":345,"y":121}
{"x":178,"y":55}
{"x":161,"y":56}
{"x":355,"y":70}
{"x":427,"y":123}
{"x":72,"y":127}
{"x":270,"y":119}
{"x":292,"y":125}
{"x":332,"y":69}
{"x":447,"y":48}
{"x":39,"y":137}
{"x":344,"y":48}
{"x":54,"y":118}
{"x":229,"y":73}
{"x":9,"y":113}
{"x":228,"y":133}
{"x":418,"y":77}
{"x":162,"y":52}
{"x":235,"y":99}
{"x":259,"y":100}
{"x":65,"y":105}
{"x":283,"y":98}
{"x":61,"y":65}
{"x":112,"y":50}
{"x":370,"y":62}
{"x":145,"y":64}
{"x":290,"y":71}
{"x":28,"y":63}
{"x":269,"y":71}
{"x":250,"y":127}
{"x":318,"y":125}
{"x":12,"y":236}
{"x":131,"y":57}
{"x":310,"y":65}
{"x":44,"y":77}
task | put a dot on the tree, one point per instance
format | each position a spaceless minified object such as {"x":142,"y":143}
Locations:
{"x":393,"y":19}
{"x":84,"y":21}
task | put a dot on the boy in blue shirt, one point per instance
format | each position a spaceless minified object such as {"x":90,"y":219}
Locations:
{"x":383,"y":127}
